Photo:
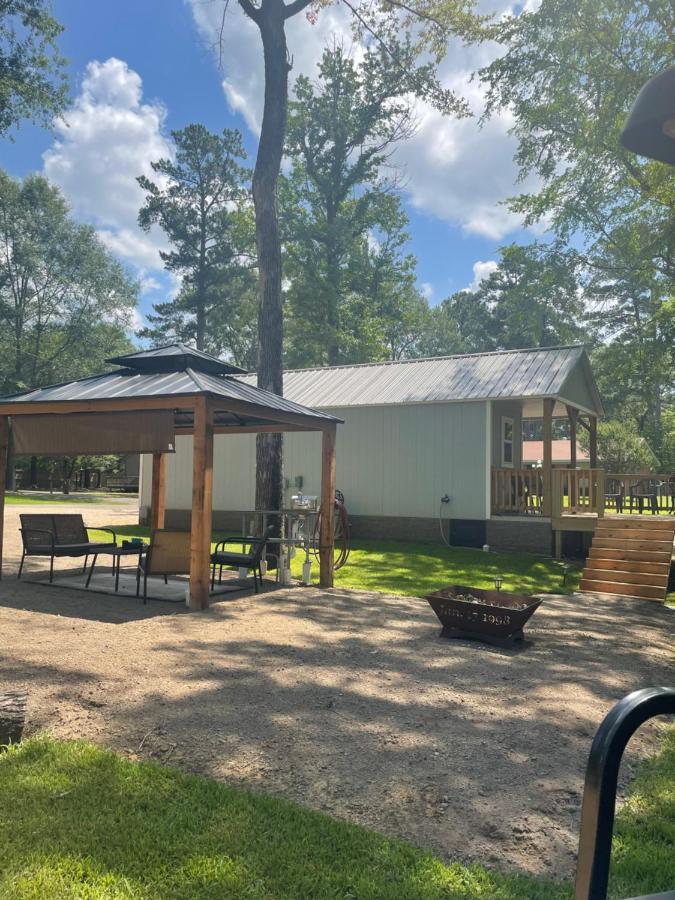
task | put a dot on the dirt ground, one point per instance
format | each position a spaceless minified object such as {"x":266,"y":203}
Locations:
{"x":347,"y":702}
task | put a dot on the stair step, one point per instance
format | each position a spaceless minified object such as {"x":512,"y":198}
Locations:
{"x":627,"y":565}
{"x":623,"y":577}
{"x":616,"y":543}
{"x":661,"y":557}
{"x":630,"y":557}
{"x":656,"y":522}
{"x":624,"y":589}
{"x":640,"y":534}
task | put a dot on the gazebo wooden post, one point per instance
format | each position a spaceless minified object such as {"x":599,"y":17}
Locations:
{"x":593,"y":442}
{"x":202,"y":504}
{"x":327,"y":529}
{"x":572,"y":415}
{"x":4,"y":440}
{"x":547,"y":462}
{"x":158,"y":501}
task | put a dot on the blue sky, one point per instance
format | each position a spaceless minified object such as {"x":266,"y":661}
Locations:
{"x":140,"y":69}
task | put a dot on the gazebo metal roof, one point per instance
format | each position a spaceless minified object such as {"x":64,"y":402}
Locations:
{"x":174,"y":373}
{"x":174,"y":356}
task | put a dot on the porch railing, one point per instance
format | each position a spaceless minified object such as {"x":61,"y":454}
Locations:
{"x":578,"y":492}
{"x":640,"y":492}
{"x":581,"y":491}
{"x":517,"y":491}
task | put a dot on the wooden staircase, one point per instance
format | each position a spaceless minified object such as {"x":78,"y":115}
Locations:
{"x":630,"y":557}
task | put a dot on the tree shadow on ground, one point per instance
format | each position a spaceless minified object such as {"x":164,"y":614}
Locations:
{"x":351,"y":704}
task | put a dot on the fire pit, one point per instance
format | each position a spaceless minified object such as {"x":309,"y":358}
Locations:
{"x":490,"y":616}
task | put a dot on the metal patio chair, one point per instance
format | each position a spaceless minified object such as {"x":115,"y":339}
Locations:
{"x":614,"y":494}
{"x":250,"y":561}
{"x":644,"y":495}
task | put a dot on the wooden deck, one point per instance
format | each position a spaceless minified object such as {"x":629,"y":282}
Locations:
{"x":579,"y":497}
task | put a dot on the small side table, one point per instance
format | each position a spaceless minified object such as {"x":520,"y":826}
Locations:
{"x":124,"y":549}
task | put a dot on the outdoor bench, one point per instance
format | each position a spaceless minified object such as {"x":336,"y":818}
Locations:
{"x":59,"y":535}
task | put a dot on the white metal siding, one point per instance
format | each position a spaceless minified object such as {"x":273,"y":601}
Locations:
{"x":391,"y":461}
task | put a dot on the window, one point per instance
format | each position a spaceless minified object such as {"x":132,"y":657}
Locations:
{"x":507,"y":441}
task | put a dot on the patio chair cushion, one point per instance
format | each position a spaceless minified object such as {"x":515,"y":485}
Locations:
{"x":232,"y":559}
{"x":80,"y":549}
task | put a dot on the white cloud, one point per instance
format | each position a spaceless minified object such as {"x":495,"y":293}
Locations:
{"x":455,"y":170}
{"x":149,"y":284}
{"x":481,"y":271}
{"x":427,"y":289}
{"x":105,"y":141}
{"x":242,"y":59}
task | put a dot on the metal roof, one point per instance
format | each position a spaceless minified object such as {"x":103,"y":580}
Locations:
{"x":174,"y":358}
{"x":131,"y":384}
{"x":477,"y":376}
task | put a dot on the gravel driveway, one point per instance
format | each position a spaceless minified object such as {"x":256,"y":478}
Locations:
{"x":348,"y":702}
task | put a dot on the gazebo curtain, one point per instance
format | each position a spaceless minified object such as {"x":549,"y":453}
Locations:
{"x":94,"y":433}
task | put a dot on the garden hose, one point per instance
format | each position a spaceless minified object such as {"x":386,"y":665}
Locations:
{"x":342,"y":538}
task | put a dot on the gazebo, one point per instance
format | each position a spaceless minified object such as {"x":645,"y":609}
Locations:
{"x":141,"y":407}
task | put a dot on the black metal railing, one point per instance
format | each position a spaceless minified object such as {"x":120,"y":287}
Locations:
{"x":597,"y":811}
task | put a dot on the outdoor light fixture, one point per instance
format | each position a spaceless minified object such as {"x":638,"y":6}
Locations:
{"x":498,"y":582}
{"x":650,"y":127}
{"x":565,"y":569}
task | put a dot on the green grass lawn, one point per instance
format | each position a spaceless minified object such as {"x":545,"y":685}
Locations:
{"x":80,"y":822}
{"x":46,"y":499}
{"x":413,"y":569}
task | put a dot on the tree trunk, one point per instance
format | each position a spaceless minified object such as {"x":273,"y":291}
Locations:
{"x":201,"y":283}
{"x":271,"y":22}
{"x":10,"y":471}
{"x":332,"y":289}
{"x":12,"y":716}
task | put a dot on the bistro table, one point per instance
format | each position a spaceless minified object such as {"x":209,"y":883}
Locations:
{"x":126,"y":548}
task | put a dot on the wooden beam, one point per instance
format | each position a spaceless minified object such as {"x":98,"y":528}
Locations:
{"x":327,"y":529}
{"x":593,"y":443}
{"x":202,"y":504}
{"x":251,"y":429}
{"x":4,"y":441}
{"x":158,"y":501}
{"x":547,"y":462}
{"x":121,"y":404}
{"x":573,"y":415}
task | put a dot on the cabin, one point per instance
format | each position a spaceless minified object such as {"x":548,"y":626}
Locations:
{"x":416,"y":431}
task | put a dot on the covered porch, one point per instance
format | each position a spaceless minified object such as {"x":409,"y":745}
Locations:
{"x":140,"y":408}
{"x":544,"y":489}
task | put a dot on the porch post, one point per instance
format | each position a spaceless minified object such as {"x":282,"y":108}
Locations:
{"x":593,"y":442}
{"x":327,"y":529}
{"x":202,"y":504}
{"x":158,"y":501}
{"x":572,"y":415}
{"x":4,"y":441}
{"x":547,"y":467}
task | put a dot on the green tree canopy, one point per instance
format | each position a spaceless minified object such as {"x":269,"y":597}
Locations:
{"x":65,"y":303}
{"x":32,"y":79}
{"x":201,"y":202}
{"x":620,"y":447}
{"x":569,"y":73}
{"x":351,"y":293}
{"x":531,"y":299}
